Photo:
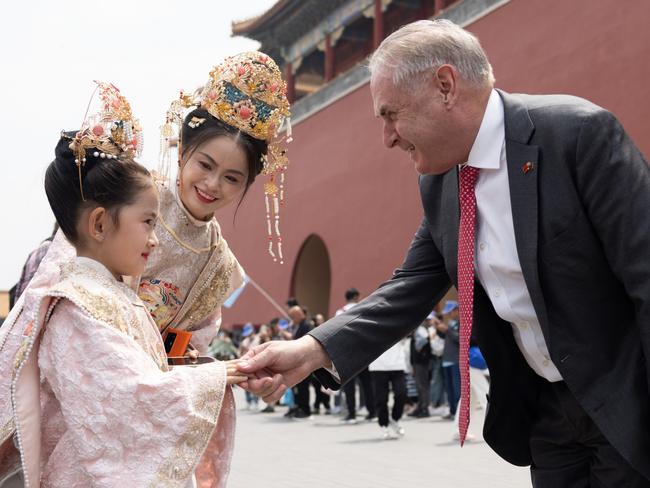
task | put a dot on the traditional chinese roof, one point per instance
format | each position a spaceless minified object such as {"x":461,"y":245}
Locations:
{"x":284,"y":23}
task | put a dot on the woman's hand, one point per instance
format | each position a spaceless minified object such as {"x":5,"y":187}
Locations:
{"x":192,"y":353}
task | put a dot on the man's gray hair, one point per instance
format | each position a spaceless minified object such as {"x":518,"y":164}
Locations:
{"x":428,"y":44}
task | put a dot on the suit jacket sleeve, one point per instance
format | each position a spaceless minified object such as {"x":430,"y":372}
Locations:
{"x":614,"y":183}
{"x":356,"y":338}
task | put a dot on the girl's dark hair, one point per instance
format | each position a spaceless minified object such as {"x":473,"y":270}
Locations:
{"x":108,"y":183}
{"x":192,"y":138}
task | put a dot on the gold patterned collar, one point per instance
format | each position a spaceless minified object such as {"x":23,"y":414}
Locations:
{"x":193,"y":220}
{"x":95,"y":266}
{"x":98,"y":270}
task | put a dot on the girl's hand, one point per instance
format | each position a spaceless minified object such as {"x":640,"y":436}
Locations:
{"x":233,"y":375}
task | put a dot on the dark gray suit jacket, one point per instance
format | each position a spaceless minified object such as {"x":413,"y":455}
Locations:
{"x":583,"y":239}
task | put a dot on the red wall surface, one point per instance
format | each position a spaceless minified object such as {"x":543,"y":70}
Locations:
{"x":362,"y":199}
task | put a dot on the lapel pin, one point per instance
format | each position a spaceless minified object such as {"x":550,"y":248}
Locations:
{"x":527,"y":167}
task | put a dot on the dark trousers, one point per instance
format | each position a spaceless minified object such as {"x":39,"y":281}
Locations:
{"x":321,"y":398}
{"x":452,"y":383}
{"x":301,"y":394}
{"x":437,"y":382}
{"x":568,"y":449}
{"x":422,"y":375}
{"x":381,"y":380}
{"x":350,"y":394}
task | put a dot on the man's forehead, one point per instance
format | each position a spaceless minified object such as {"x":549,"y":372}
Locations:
{"x":384,"y":94}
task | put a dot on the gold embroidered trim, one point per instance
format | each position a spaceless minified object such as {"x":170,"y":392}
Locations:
{"x":7,"y":430}
{"x":213,"y":294}
{"x":181,"y":242}
{"x":20,"y":354}
{"x":190,"y":446}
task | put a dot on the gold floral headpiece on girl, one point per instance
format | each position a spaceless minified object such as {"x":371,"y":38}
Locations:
{"x":247,"y":92}
{"x":111,"y":131}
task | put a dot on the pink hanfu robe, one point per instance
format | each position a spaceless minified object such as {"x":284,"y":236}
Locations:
{"x":87,"y":398}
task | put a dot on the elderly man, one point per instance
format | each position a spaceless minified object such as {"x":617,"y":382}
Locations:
{"x":536,"y":208}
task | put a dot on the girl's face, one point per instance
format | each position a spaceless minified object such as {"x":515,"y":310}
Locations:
{"x":126,"y":244}
{"x":214,"y":176}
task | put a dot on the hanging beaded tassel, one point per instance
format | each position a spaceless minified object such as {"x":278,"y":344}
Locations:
{"x":277,"y":217}
{"x":272,"y":202}
{"x":268,"y":227}
{"x":165,"y":155}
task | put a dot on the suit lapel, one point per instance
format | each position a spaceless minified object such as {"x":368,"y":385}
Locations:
{"x":523,"y":169}
{"x":451,"y":215}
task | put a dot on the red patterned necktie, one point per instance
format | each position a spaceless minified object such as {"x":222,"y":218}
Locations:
{"x":468,"y":177}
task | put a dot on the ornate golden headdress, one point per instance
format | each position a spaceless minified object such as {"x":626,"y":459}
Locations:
{"x":246,"y":91}
{"x":111,"y":131}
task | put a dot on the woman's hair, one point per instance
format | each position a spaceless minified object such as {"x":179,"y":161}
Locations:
{"x":108,"y":183}
{"x":192,"y":138}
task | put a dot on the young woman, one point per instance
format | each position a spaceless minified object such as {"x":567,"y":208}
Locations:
{"x":92,"y":401}
{"x":226,"y":140}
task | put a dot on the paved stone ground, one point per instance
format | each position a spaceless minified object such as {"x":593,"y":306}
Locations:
{"x":323,"y":452}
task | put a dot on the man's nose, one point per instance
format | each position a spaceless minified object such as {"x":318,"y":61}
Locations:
{"x":390,"y":136}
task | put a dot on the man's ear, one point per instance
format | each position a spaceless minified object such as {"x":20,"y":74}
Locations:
{"x":98,"y":224}
{"x":446,"y":80}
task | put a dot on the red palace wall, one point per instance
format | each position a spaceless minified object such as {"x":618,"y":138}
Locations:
{"x":362,"y":199}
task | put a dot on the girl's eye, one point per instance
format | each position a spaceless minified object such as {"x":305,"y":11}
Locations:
{"x":150,"y":222}
{"x":232,"y":179}
{"x":204,"y":165}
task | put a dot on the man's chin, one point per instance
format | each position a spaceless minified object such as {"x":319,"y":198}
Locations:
{"x":428,"y":167}
{"x":423,"y":167}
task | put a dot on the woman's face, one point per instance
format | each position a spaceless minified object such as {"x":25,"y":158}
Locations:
{"x":213,"y":176}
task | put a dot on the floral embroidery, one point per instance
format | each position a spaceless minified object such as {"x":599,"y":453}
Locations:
{"x":162,"y":299}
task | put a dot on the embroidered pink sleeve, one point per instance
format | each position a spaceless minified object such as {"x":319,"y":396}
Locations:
{"x":125,"y":422}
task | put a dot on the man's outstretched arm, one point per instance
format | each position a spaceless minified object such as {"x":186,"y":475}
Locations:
{"x":277,"y":365}
{"x":352,"y":340}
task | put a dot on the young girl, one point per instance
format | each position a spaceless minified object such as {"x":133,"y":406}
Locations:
{"x":223,"y":146}
{"x":111,"y":412}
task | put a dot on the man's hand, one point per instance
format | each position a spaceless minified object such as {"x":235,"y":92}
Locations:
{"x":278,"y":365}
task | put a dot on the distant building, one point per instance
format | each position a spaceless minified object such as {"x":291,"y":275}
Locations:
{"x":352,"y":206}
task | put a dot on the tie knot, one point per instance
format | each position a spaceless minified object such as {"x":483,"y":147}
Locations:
{"x":468,"y":176}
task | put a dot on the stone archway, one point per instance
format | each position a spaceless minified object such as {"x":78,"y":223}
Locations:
{"x":312,"y":276}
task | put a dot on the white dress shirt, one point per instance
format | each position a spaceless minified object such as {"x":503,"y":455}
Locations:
{"x":496,"y":259}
